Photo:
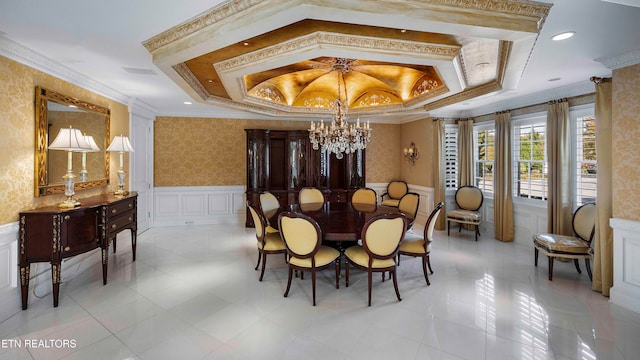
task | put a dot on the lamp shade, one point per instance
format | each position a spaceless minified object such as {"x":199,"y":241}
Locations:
{"x":92,"y":144}
{"x":70,"y":139}
{"x":120,"y":144}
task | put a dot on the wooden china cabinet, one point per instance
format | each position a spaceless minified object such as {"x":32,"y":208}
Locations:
{"x":283,"y":161}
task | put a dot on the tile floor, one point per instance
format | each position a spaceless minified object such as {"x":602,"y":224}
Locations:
{"x":193,"y":294}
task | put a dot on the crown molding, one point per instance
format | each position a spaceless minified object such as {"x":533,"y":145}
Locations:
{"x":623,"y":59}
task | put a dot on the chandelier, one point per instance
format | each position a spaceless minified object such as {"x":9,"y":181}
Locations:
{"x":340,"y":137}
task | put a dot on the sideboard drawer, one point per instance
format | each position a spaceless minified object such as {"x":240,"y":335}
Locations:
{"x":116,"y":209}
{"x":121,"y":222}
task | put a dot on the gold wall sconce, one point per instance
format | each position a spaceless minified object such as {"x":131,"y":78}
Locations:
{"x":411,"y":153}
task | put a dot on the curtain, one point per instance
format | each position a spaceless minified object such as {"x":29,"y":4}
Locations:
{"x":465,"y":153}
{"x":502,"y":196}
{"x":559,"y":203}
{"x":439,"y":170}
{"x":603,"y":239}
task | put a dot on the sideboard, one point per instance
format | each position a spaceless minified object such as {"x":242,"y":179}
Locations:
{"x":50,"y":234}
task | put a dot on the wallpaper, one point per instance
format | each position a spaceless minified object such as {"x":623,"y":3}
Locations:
{"x":420,"y":133}
{"x":626,"y":146}
{"x":206,"y":151}
{"x":17,"y":139}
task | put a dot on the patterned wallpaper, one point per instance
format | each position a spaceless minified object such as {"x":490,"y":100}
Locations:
{"x":205,"y":151}
{"x":626,"y":146}
{"x":17,"y":145}
{"x":421,"y":134}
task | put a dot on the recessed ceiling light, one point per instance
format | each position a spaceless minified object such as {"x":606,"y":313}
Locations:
{"x":554,"y":79}
{"x":403,"y":31}
{"x":187,"y":102}
{"x":563,"y":36}
{"x":246,"y":43}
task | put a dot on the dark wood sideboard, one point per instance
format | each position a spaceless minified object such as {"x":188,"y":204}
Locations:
{"x":52,"y":234}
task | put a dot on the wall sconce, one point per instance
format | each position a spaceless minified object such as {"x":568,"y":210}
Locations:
{"x":69,"y":140}
{"x":411,"y":153}
{"x":84,"y":174}
{"x":122,"y":145}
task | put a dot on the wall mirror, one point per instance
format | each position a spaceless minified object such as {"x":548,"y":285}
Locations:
{"x":53,"y":112}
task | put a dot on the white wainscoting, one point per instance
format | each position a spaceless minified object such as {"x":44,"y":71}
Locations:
{"x":9,"y":292}
{"x":426,"y":201}
{"x":190,"y":205}
{"x":626,"y":264}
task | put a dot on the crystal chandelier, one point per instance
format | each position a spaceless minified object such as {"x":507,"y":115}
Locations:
{"x":339,"y":137}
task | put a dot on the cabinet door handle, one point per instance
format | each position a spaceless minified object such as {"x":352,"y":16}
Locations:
{"x":67,"y":248}
{"x":67,"y":217}
{"x":113,"y":226}
{"x":130,"y":218}
{"x":130,"y":206}
{"x":113,"y":211}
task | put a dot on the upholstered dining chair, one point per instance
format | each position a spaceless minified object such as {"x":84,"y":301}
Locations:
{"x":269,"y":204}
{"x":303,"y":238}
{"x":408,"y":205}
{"x":381,"y":236}
{"x":395,"y":192}
{"x":365,"y":196}
{"x":570,"y":247}
{"x":469,"y":200}
{"x":420,"y":246}
{"x":268,"y":243}
{"x":310,"y":195}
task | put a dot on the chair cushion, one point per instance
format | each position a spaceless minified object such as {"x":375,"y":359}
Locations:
{"x":271,"y":229}
{"x":464,"y":215}
{"x":324,"y":256}
{"x":414,"y":247}
{"x":390,"y":202}
{"x":561,"y":244}
{"x":359,"y":256}
{"x":272,"y":242}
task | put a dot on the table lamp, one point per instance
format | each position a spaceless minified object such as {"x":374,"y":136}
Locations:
{"x":122,"y":145}
{"x":69,"y":140}
{"x":84,"y":174}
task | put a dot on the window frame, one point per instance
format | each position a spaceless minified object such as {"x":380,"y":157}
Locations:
{"x":478,"y":127}
{"x":529,"y":119}
{"x":451,"y":129}
{"x":576,"y":113}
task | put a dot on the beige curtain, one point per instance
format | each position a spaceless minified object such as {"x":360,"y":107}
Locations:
{"x":502,"y":196}
{"x":559,"y":203}
{"x":465,"y":153}
{"x":439,"y":170}
{"x":603,"y":243}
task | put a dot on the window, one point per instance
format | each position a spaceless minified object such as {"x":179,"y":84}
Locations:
{"x":484,"y":143}
{"x":586,"y":168}
{"x":529,"y":159}
{"x":450,"y":157}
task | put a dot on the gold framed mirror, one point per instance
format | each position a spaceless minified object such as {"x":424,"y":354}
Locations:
{"x":53,"y":112}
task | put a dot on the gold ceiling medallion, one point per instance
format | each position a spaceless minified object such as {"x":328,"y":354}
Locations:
{"x":268,"y":94}
{"x":425,"y":87}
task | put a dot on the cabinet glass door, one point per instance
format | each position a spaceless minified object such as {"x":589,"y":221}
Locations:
{"x":356,"y":169}
{"x":256,"y":151}
{"x":298,"y":160}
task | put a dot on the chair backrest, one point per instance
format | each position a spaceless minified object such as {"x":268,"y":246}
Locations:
{"x":258,"y":222}
{"x":431,"y":223}
{"x":381,"y":235}
{"x":310,"y":195}
{"x":365,"y":196}
{"x":409,"y":205}
{"x":268,"y":202}
{"x":469,"y":198}
{"x":397,"y":189}
{"x":584,"y":222}
{"x":301,"y":234}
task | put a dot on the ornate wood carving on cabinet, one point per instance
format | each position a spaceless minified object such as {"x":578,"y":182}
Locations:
{"x":283,"y":161}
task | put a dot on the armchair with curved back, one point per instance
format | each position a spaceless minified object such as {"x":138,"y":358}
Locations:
{"x":269,"y":205}
{"x":309,"y":195}
{"x":365,"y":196}
{"x":570,"y":247}
{"x":469,"y":200}
{"x":268,"y":242}
{"x":409,"y":205}
{"x":395,"y":191}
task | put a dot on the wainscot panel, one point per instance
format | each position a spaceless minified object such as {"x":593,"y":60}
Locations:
{"x":626,"y":269}
{"x":190,"y":205}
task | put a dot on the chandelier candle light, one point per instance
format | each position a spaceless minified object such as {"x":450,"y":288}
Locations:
{"x":122,"y":145}
{"x":69,"y":140}
{"x":84,"y":174}
{"x":339,"y":137}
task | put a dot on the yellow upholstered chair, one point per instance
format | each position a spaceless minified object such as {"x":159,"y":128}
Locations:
{"x":365,"y":196}
{"x":408,"y":205}
{"x":469,"y":200}
{"x":310,"y":195}
{"x":395,"y":192}
{"x":381,"y":236}
{"x":269,"y":205}
{"x":268,"y":243}
{"x":420,"y":246}
{"x":570,"y":247}
{"x":303,"y":239}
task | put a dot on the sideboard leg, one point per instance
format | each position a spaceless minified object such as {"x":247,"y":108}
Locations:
{"x":133,"y":242}
{"x":55,"y":279}
{"x":24,"y":285}
{"x":105,"y":262}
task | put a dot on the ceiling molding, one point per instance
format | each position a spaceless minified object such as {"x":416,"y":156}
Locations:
{"x":618,"y":61}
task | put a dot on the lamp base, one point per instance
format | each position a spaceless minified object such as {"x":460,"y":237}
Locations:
{"x":121,"y":193}
{"x":69,"y":204}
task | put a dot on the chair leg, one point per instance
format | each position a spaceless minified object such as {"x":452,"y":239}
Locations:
{"x":587,"y":264}
{"x":258,"y":264}
{"x":424,"y":269}
{"x":264,"y":263}
{"x":369,"y":278}
{"x":535,"y":256}
{"x":346,"y":272}
{"x":338,"y":273}
{"x":575,"y":262}
{"x":477,"y":232}
{"x":429,"y":263}
{"x":448,"y":228}
{"x":313,"y":285}
{"x":395,"y":285}
{"x":383,"y":277}
{"x":286,"y":292}
{"x":550,"y":268}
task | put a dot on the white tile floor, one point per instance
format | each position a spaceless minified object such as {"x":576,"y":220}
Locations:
{"x":193,"y":294}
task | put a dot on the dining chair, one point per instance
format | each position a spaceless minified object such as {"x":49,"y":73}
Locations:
{"x":420,"y":246}
{"x":469,"y":200}
{"x":570,"y":247}
{"x":269,"y":204}
{"x":395,"y":191}
{"x":268,"y":243}
{"x":408,"y":205}
{"x":381,"y":236}
{"x":303,"y":239}
{"x":365,"y":196}
{"x":310,"y":195}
